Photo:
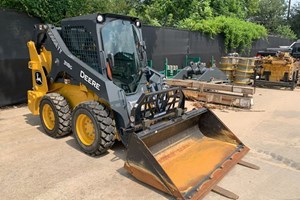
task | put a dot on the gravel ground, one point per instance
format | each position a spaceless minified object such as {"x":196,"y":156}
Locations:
{"x":35,"y":166}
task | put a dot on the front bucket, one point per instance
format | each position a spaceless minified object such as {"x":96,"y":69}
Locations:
{"x":185,"y":157}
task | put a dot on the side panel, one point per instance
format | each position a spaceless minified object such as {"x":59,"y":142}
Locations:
{"x":75,"y":94}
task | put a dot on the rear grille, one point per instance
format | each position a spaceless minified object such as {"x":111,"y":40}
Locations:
{"x":82,"y":45}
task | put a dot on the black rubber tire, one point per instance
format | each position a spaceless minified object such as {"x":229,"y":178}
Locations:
{"x":62,"y":115}
{"x":104,"y":125}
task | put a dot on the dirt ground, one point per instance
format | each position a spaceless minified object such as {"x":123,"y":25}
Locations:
{"x":35,"y":166}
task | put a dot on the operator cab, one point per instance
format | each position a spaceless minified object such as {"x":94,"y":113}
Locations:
{"x":110,"y":44}
{"x":121,"y":42}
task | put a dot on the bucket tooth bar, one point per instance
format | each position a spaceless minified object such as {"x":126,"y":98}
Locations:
{"x":226,"y":193}
{"x":249,"y":165}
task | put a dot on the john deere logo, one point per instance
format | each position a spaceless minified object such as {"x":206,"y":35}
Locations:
{"x":38,"y":78}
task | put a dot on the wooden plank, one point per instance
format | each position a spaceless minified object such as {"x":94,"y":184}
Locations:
{"x":210,"y":86}
{"x":219,"y":98}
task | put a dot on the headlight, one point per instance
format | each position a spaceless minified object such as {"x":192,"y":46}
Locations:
{"x":138,"y":24}
{"x":100,"y":19}
{"x":42,"y":27}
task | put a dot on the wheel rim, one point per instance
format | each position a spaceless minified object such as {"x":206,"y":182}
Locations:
{"x":48,"y":117}
{"x":85,"y":129}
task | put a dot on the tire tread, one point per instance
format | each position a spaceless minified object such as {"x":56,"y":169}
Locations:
{"x":63,"y":112}
{"x":106,"y":124}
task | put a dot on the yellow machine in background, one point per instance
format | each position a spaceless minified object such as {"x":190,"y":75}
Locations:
{"x":280,"y":70}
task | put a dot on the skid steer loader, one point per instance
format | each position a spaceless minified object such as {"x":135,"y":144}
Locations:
{"x":90,"y":77}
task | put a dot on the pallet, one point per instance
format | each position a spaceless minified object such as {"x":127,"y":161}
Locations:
{"x":230,"y":95}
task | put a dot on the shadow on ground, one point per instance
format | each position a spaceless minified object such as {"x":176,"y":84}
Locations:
{"x":34,"y":120}
{"x":72,"y":143}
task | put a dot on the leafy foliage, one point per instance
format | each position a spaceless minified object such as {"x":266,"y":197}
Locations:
{"x":271,"y":13}
{"x":52,"y":11}
{"x":227,"y":17}
{"x":235,"y":8}
{"x":295,"y":19}
{"x":170,"y":12}
{"x":237,"y":33}
{"x":48,"y":10}
{"x":285,"y":31}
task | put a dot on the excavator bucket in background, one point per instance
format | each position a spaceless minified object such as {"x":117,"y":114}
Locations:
{"x":185,"y":157}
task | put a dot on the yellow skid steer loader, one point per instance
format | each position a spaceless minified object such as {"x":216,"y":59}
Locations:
{"x":90,"y":77}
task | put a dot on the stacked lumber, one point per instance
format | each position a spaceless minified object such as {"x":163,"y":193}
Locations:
{"x":230,"y":95}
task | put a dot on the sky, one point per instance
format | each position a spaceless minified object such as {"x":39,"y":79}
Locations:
{"x":294,"y":1}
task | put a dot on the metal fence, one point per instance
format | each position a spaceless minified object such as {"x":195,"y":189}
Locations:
{"x":15,"y":77}
{"x":175,"y":44}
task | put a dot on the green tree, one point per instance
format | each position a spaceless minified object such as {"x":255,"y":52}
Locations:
{"x":170,"y":12}
{"x":235,"y":8}
{"x":295,"y":19}
{"x":201,"y":9}
{"x":225,"y":17}
{"x":155,"y":12}
{"x":49,"y":10}
{"x":165,"y":12}
{"x":52,"y":11}
{"x":271,"y":13}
